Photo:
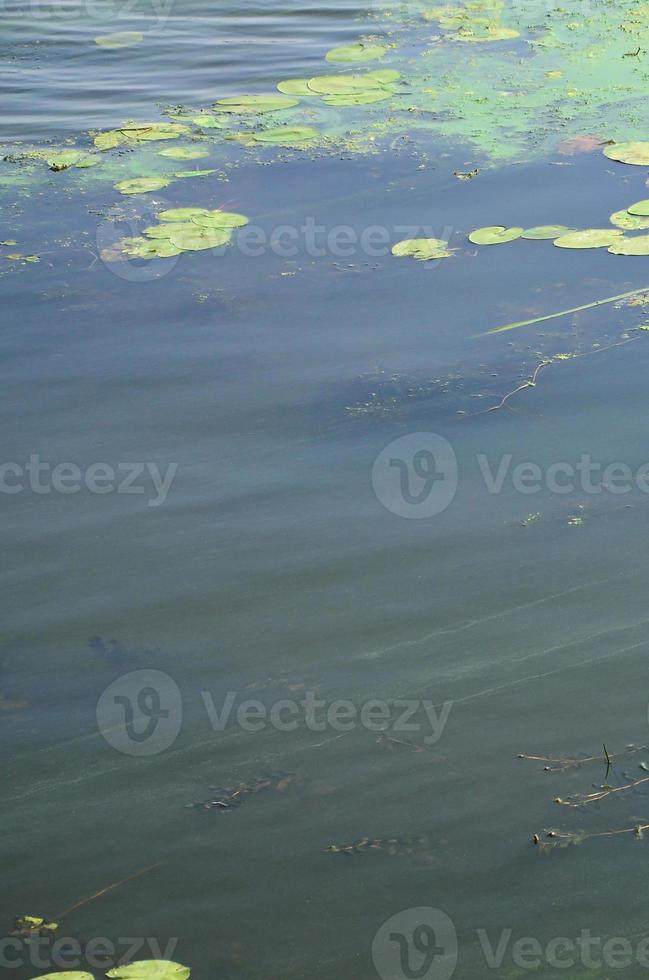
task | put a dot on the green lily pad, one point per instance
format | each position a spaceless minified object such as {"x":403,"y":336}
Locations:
{"x":422,"y":249}
{"x":494,"y":235}
{"x":295,"y":86}
{"x":634,"y":153}
{"x":67,"y":975}
{"x":631,"y":246}
{"x":122,"y":39}
{"x":351,"y":53}
{"x":384,"y":76}
{"x":193,"y":173}
{"x":206,"y":121}
{"x":629,"y":222}
{"x":196,"y":239}
{"x":640,"y":208}
{"x":150,"y":970}
{"x":220,"y":219}
{"x":166,"y":229}
{"x":545,"y":232}
{"x":143,"y":248}
{"x":70,"y":158}
{"x":254,"y":104}
{"x":357,"y":98}
{"x":181,"y":214}
{"x":133,"y":133}
{"x":286,"y":135}
{"x":590,"y":238}
{"x":142,"y":185}
{"x":344,"y":84}
{"x":183,"y":153}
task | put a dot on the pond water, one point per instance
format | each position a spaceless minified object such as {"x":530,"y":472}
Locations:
{"x":232,"y":518}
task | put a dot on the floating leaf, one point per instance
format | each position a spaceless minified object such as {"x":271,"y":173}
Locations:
{"x":142,"y":248}
{"x":122,"y":39}
{"x":295,"y":86}
{"x":132,"y":133}
{"x":286,"y":135}
{"x":254,"y":104}
{"x":220,"y":219}
{"x":150,"y":970}
{"x":640,"y":208}
{"x":142,"y":185}
{"x":631,"y":246}
{"x":357,"y":52}
{"x":629,"y":222}
{"x":590,"y":238}
{"x":166,"y":229}
{"x":344,"y":84}
{"x":357,"y":98}
{"x":67,"y":975}
{"x":70,"y":158}
{"x":490,"y":32}
{"x":544,"y":232}
{"x":206,"y":121}
{"x":195,"y":239}
{"x":183,"y":153}
{"x":494,"y":235}
{"x":634,"y":153}
{"x":181,"y":214}
{"x":193,"y":173}
{"x":422,"y":249}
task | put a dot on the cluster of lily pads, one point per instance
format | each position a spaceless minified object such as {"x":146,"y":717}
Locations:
{"x":634,"y":218}
{"x":140,"y":970}
{"x":180,"y":230}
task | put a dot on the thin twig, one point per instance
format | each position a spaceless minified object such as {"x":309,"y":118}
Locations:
{"x":600,"y":794}
{"x":574,"y":309}
{"x":109,"y":888}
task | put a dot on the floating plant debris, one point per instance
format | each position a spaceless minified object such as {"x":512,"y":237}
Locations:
{"x":494,"y":235}
{"x":32,"y":925}
{"x":230,"y":797}
{"x":391,"y":845}
{"x":423,"y":249}
{"x":150,"y":970}
{"x":357,"y":52}
{"x":121,"y":39}
{"x":589,"y":238}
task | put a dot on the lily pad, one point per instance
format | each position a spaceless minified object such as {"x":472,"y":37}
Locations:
{"x":491,"y":32}
{"x":142,"y":185}
{"x":143,"y":248}
{"x":545,"y":232}
{"x":295,"y":86}
{"x":206,"y":121}
{"x":220,"y":219}
{"x":357,"y":98}
{"x":631,"y":246}
{"x":422,"y":249}
{"x":286,"y":135}
{"x":133,"y":133}
{"x":494,"y":235}
{"x":590,"y":238}
{"x":150,"y":970}
{"x":183,"y":153}
{"x":634,"y":153}
{"x":67,"y":975}
{"x":640,"y":208}
{"x":344,"y":84}
{"x":351,"y":53}
{"x":254,"y":104}
{"x":166,"y":229}
{"x":180,"y":214}
{"x":71,"y":158}
{"x":193,"y":173}
{"x":196,"y":239}
{"x":629,"y":222}
{"x":122,"y":39}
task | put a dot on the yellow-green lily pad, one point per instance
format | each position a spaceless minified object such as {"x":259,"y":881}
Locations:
{"x":350,"y":53}
{"x":344,"y":84}
{"x":494,"y":235}
{"x":133,"y":133}
{"x":122,"y":39}
{"x":183,"y":153}
{"x":181,"y":214}
{"x":254,"y":104}
{"x":142,"y":185}
{"x":166,"y":229}
{"x":634,"y":153}
{"x":150,"y":970}
{"x":422,"y":249}
{"x":589,"y":238}
{"x":195,"y":239}
{"x":67,"y":975}
{"x":286,"y":135}
{"x":357,"y":98}
{"x":629,"y":222}
{"x":542,"y":233}
{"x":143,"y":248}
{"x":631,"y":246}
{"x":640,"y":208}
{"x":295,"y":86}
{"x":220,"y":219}
{"x":193,"y":173}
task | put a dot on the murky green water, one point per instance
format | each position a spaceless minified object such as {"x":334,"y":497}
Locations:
{"x":226,"y":518}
